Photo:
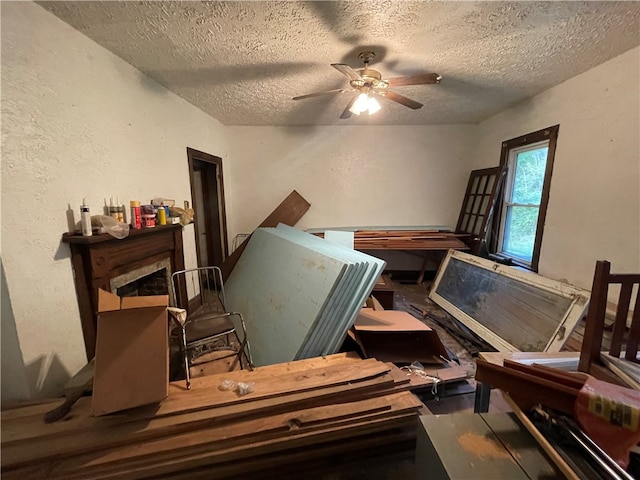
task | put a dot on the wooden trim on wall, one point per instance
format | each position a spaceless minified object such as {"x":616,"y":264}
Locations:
{"x":192,"y":155}
{"x":550,"y":134}
{"x":544,"y":202}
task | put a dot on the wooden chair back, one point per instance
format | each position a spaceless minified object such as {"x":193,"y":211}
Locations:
{"x":624,"y":337}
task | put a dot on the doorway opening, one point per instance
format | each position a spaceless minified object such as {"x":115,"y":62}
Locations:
{"x":207,"y":194}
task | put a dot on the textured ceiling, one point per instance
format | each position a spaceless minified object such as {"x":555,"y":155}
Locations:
{"x":242,"y":62}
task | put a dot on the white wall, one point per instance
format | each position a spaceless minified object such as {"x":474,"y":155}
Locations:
{"x":594,"y":202}
{"x":77,"y":122}
{"x":351,"y":175}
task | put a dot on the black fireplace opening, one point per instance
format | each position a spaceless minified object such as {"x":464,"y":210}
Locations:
{"x":156,"y":283}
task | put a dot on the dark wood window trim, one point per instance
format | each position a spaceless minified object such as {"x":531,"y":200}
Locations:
{"x":550,"y":134}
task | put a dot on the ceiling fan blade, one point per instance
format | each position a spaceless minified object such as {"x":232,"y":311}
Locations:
{"x":318,"y":94}
{"x":396,"y":97}
{"x":418,"y":79}
{"x":347,"y":70}
{"x":347,"y":113}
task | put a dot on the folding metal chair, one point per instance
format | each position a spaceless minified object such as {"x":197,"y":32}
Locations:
{"x":207,"y":326}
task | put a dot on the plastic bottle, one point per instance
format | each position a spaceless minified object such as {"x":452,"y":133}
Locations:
{"x":113,"y":209}
{"x":162,"y":215}
{"x":120,"y":210}
{"x":136,"y":219}
{"x":85,"y":219}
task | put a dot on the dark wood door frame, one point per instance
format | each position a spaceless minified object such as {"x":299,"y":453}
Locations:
{"x":193,"y":156}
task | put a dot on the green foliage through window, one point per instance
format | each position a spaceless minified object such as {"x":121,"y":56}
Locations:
{"x":522,"y":207}
{"x":529,"y":176}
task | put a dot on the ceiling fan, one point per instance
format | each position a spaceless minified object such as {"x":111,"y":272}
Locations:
{"x":368,"y":84}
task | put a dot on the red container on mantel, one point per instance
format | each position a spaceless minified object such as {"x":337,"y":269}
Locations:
{"x":148,"y":220}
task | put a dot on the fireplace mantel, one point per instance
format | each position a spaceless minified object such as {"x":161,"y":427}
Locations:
{"x":99,"y":258}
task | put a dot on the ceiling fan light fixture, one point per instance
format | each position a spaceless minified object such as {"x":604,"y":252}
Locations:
{"x":374,"y":106}
{"x":365,"y":103}
{"x":368,"y":84}
{"x":360,"y":105}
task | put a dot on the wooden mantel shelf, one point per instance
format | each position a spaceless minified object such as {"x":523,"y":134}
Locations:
{"x":105,"y":237}
{"x":100,"y":258}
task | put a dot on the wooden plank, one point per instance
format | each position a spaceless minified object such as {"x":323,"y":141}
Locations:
{"x":85,"y":439}
{"x":573,"y":380}
{"x":214,"y":444}
{"x":526,"y":388}
{"x":238,"y":456}
{"x":553,"y":359}
{"x":330,"y":457}
{"x":445,"y":376}
{"x":400,"y":378}
{"x":289,"y":212}
{"x":406,"y":240}
{"x":308,"y":437}
{"x":144,"y":445}
{"x":182,"y":401}
{"x":40,"y":407}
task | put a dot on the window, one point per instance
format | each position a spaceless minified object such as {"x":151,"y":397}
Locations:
{"x":525,"y":194}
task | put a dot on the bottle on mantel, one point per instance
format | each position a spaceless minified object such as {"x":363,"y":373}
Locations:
{"x":85,"y":219}
{"x":136,"y":218}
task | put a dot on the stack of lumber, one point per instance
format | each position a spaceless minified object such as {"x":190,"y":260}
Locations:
{"x":298,"y":413}
{"x":407,"y":240}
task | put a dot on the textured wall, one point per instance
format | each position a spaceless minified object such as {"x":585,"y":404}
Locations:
{"x":352,"y":176}
{"x":594,"y":203}
{"x":77,"y":122}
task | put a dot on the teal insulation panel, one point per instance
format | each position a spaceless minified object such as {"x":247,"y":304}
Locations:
{"x":328,"y":335}
{"x":316,"y":344}
{"x":281,"y":288}
{"x":298,"y":293}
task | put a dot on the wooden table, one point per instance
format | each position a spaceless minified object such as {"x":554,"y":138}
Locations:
{"x":423,"y":243}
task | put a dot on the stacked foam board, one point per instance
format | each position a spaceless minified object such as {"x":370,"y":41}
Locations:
{"x":299,"y":294}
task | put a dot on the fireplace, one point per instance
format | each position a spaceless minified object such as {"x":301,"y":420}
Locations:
{"x":140,"y":264}
{"x":152,"y":279}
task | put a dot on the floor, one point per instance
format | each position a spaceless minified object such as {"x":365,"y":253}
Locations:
{"x":457,"y":398}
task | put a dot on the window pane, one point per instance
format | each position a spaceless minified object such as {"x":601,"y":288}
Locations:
{"x":529,"y":176}
{"x":520,"y":232}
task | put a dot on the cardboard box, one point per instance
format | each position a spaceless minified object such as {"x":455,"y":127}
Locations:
{"x":132,"y":352}
{"x":396,"y":336}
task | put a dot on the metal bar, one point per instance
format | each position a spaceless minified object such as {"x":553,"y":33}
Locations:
{"x":591,"y":448}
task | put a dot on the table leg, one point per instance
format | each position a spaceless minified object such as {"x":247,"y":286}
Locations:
{"x":483,"y":395}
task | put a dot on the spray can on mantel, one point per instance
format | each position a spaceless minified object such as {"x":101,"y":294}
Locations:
{"x":85,"y":219}
{"x":136,"y":218}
